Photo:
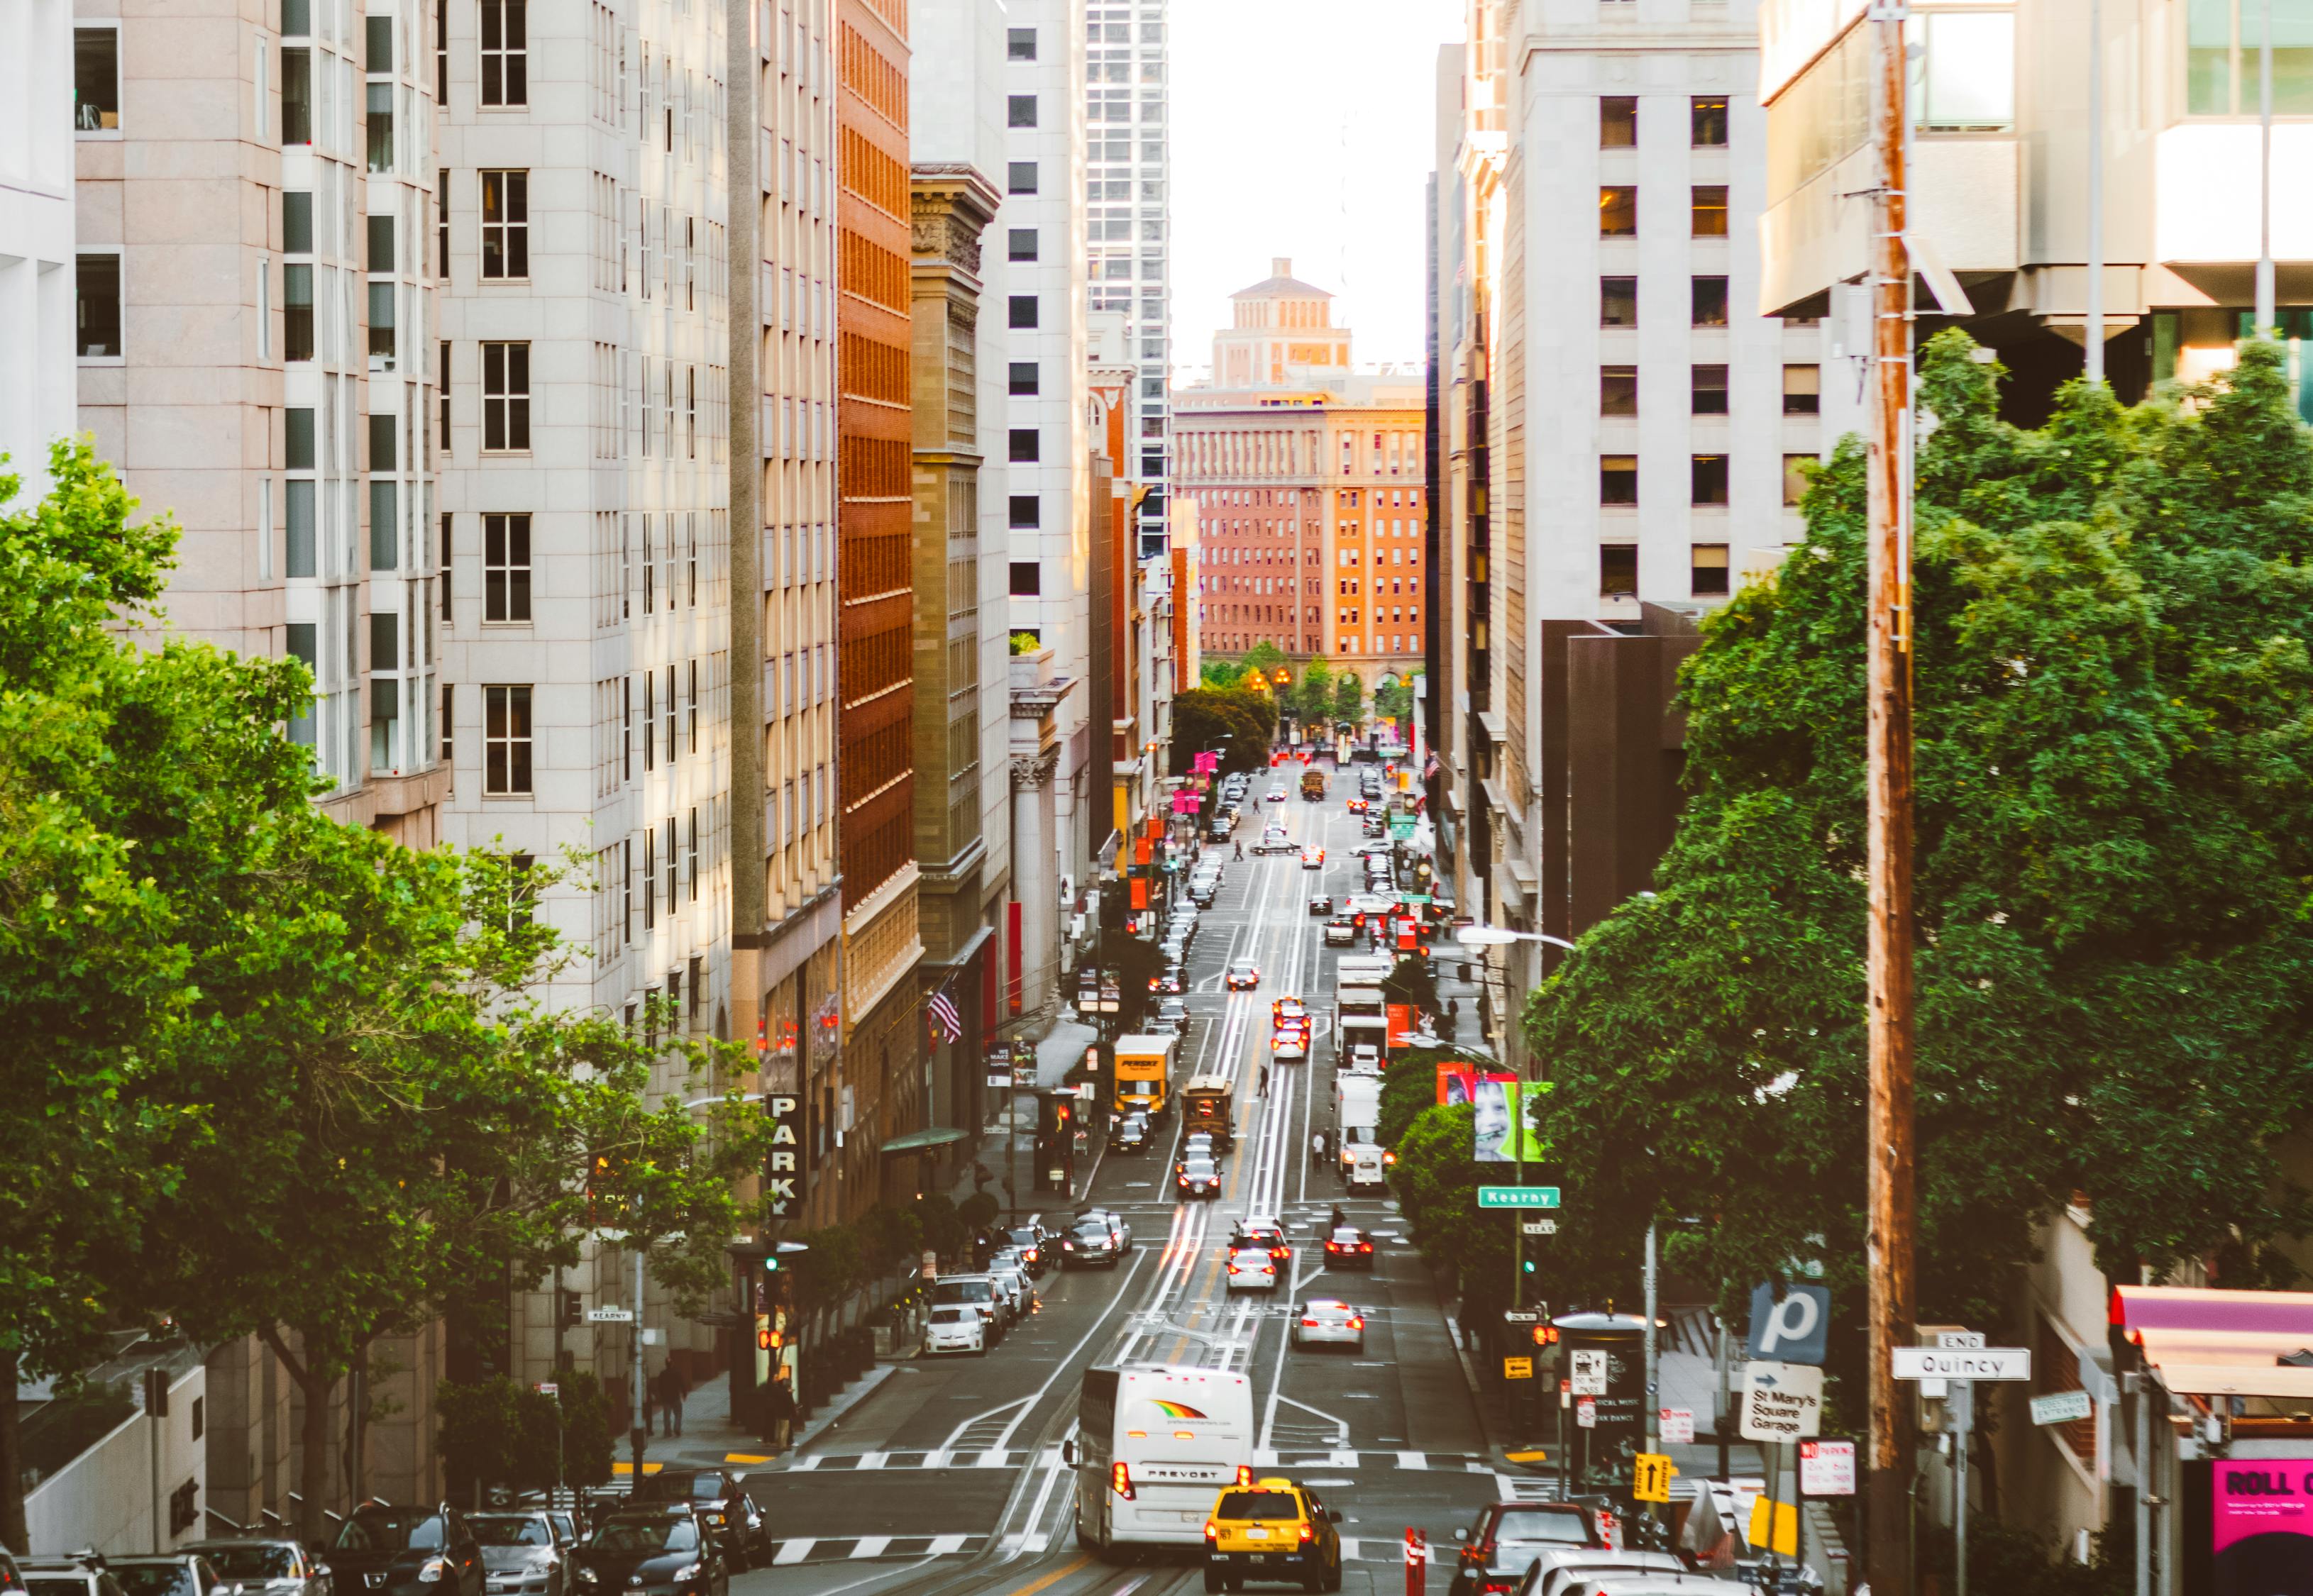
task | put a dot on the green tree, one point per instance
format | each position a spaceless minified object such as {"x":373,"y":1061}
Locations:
{"x":1349,"y":696}
{"x":1313,"y":695}
{"x":1395,"y":699}
{"x":1231,"y":724}
{"x":2116,"y":832}
{"x":1264,"y":656}
{"x":1436,"y":1182}
{"x":1223,"y":674}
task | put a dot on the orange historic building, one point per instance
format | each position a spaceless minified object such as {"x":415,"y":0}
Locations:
{"x":1307,"y":482}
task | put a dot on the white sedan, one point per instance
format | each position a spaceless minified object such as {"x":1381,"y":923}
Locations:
{"x":954,"y":1327}
{"x":1329,"y":1321}
{"x":1251,"y":1267}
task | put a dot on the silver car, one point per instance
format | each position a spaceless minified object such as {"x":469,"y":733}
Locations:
{"x":1328,"y":1321}
{"x":520,"y":1554}
{"x":1011,"y":1272}
{"x":273,"y":1566}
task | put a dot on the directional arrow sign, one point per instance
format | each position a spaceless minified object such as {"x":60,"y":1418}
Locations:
{"x":1517,"y":1197}
{"x":1940,"y":1362}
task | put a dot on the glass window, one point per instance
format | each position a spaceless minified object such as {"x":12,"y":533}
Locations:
{"x":296,"y":96}
{"x":296,"y":16}
{"x":1618,"y":571}
{"x":1966,"y":81}
{"x":382,"y":428}
{"x":384,"y":526}
{"x":1709,"y":300}
{"x":1708,"y":475}
{"x":381,"y":324}
{"x":1020,"y":110}
{"x":1618,"y":391}
{"x":1025,"y":378}
{"x":297,"y":437}
{"x":1618,"y":210}
{"x":97,"y":288}
{"x":506,"y":569}
{"x":1708,"y":210}
{"x":379,"y":120}
{"x":296,"y":222}
{"x":1023,"y":309}
{"x":1618,"y":302}
{"x":505,"y":225}
{"x":297,"y":536}
{"x":505,"y":397}
{"x":1020,"y":176}
{"x":381,"y":242}
{"x":1022,"y":243}
{"x":1618,"y":479}
{"x":378,"y":56}
{"x":1802,"y":390}
{"x":296,"y":312}
{"x":1028,"y":445}
{"x":506,"y":53}
{"x":1020,"y":43}
{"x":506,"y":740}
{"x":1708,"y":572}
{"x":1027,"y":579}
{"x":1795,"y":467}
{"x":96,"y":80}
{"x":1710,"y":391}
{"x":1706,"y":121}
{"x":1026,"y":510}
{"x":1618,"y":121}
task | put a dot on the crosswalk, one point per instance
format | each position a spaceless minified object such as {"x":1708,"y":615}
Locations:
{"x":1014,"y":1457}
{"x":844,"y":1549}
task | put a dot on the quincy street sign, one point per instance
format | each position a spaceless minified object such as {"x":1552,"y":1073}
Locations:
{"x":1945,"y":1363}
{"x":1517,"y":1197}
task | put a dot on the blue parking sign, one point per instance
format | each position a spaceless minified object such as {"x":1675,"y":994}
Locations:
{"x":1791,"y":1327}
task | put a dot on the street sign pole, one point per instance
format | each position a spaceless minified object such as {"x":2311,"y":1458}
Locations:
{"x":1652,"y":1420}
{"x":1962,"y":1407}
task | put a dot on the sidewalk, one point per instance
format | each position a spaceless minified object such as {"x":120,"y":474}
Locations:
{"x":1004,"y":1149}
{"x":710,"y":1437}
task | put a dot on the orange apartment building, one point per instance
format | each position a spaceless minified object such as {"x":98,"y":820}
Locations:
{"x":1305,"y":479}
{"x":879,"y":1096}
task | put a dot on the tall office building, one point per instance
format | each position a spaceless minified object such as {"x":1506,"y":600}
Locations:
{"x":254,"y":310}
{"x":37,"y":348}
{"x":881,"y":1088}
{"x":963,"y":731}
{"x":1046,"y":507}
{"x":1128,"y":228}
{"x":786,"y":908}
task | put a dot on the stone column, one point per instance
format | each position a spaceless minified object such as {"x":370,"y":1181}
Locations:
{"x":1035,"y":876}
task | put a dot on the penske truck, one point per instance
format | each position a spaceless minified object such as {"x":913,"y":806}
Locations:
{"x":1144,"y":1073}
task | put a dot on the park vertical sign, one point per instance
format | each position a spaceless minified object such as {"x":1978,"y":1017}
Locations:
{"x":783,"y":1167}
{"x":2261,"y":1524}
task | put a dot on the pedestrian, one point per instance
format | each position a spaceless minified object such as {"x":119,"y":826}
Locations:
{"x":1338,"y":1221}
{"x":1265,"y":1080}
{"x":1240,"y":848}
{"x":1317,"y":1148}
{"x":675,"y":1391}
{"x":779,"y":1413}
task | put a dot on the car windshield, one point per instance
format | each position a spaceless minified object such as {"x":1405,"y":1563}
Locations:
{"x":261,"y":1559}
{"x":155,"y":1579}
{"x":73,"y":1586}
{"x":1257,"y":1504}
{"x":1327,"y":1311}
{"x":1527,"y":1527}
{"x":1026,"y":1237}
{"x":955,"y":1315}
{"x":391,"y":1529}
{"x":961,"y":1291}
{"x":1197,"y":1168}
{"x":646,"y":1535}
{"x":510,"y":1528}
{"x":1091,"y":1229}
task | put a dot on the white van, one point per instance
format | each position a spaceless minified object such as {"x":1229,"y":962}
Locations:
{"x":1153,"y":1443}
{"x":1364,"y":1166}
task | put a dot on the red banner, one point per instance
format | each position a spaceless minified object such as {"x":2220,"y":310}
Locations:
{"x":1401,"y":1024}
{"x":1141,"y":887}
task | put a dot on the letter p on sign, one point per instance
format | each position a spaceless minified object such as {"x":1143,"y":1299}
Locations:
{"x":1793,"y":1329}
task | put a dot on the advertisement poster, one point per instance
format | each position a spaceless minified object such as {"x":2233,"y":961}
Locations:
{"x":1400,"y":1024}
{"x":2262,"y":1524}
{"x":1502,"y":1102}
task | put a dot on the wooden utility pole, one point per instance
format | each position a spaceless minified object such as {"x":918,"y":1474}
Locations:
{"x":1888,"y":798}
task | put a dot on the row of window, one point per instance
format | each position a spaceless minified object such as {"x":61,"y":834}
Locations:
{"x":1707,"y":475}
{"x":1706,"y":122}
{"x":1618,"y":571}
{"x":1707,"y":391}
{"x":1618,"y":210}
{"x":1618,"y":302}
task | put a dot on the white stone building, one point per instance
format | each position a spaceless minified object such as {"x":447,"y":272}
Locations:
{"x":37,"y":347}
{"x":1129,"y":226}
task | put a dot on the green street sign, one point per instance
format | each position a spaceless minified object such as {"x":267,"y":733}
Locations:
{"x":1517,"y":1197}
{"x":1401,"y":827}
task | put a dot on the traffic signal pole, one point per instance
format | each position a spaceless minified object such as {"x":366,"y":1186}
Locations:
{"x":1888,"y":1142}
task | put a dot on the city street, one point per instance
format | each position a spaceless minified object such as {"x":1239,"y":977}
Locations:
{"x":950,"y":1478}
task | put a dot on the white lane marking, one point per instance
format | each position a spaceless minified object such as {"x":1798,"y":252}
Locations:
{"x":871,"y":1546}
{"x":1413,"y":1459}
{"x":792,"y":1552}
{"x":804,"y":1465}
{"x":945,"y":1545}
{"x":872,"y":1459}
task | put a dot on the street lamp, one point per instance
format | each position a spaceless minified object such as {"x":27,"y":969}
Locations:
{"x":1497,"y":936}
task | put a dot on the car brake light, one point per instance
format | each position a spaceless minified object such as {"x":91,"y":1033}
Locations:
{"x":1357,"y":1324}
{"x":1212,"y":1530}
{"x":1244,"y":1474}
{"x":1119,"y":1480}
{"x":1306,"y":1533}
{"x":1310,"y":1322}
{"x":1365,"y":1247}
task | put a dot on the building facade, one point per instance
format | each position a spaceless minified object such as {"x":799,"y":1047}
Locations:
{"x":879,"y":1094}
{"x":38,"y":350}
{"x":1308,"y":480}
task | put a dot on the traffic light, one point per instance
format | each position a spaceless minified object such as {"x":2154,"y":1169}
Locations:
{"x":768,"y":1339}
{"x":1545,"y":1334}
{"x":573,"y":1310}
{"x":1526,"y":1265}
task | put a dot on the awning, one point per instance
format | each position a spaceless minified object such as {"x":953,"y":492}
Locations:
{"x":2220,"y":1343}
{"x":923,"y":1141}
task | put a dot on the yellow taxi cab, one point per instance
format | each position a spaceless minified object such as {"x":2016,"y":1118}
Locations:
{"x":1273,"y":1529}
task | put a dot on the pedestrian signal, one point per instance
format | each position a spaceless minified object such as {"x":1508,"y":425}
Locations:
{"x":768,"y":1339}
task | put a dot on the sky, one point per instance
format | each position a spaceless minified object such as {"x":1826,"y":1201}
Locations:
{"x":1304,"y":128}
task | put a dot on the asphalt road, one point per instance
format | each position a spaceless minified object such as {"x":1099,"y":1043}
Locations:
{"x":948,"y":1481}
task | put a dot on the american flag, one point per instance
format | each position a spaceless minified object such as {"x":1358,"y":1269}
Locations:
{"x":947,"y":1025}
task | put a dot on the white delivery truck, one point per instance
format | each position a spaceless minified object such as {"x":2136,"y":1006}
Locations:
{"x":1356,"y":1110}
{"x":1365,"y":1167}
{"x":1154,"y":1446}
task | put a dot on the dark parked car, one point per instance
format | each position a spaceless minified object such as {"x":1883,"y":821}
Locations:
{"x":1034,"y":1245}
{"x":1129,"y":1134}
{"x":275,"y":1564}
{"x":720,"y":1498}
{"x":521,"y":1554}
{"x":655,"y":1550}
{"x":406,"y":1551}
{"x":1349,"y":1248}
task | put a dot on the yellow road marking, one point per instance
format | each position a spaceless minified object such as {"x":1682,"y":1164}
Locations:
{"x":1058,"y":1574}
{"x":744,"y":1457}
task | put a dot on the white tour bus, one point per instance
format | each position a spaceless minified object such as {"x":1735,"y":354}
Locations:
{"x":1153,"y":1443}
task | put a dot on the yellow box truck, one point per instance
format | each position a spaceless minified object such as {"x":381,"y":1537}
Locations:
{"x":1144,"y":1073}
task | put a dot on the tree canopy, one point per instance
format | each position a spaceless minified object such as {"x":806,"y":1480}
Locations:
{"x":1203,"y":717}
{"x":2114,"y":823}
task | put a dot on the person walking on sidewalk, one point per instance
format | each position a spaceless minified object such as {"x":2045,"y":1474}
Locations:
{"x":779,"y":1415}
